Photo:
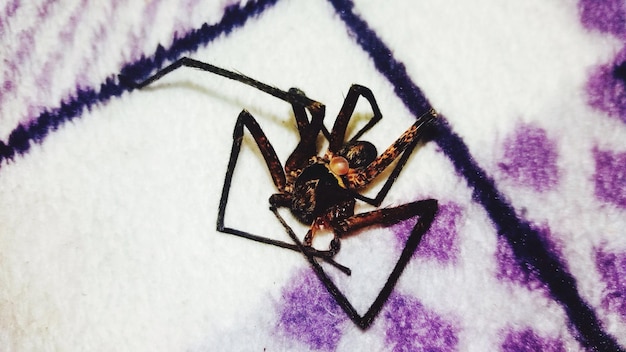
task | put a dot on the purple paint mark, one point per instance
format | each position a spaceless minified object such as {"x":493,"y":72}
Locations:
{"x":66,"y":40}
{"x":12,"y":65}
{"x":148,"y":18}
{"x":98,"y":44}
{"x":412,"y":327}
{"x":510,"y":270}
{"x":181,"y":24}
{"x":610,"y":177}
{"x":529,"y":341}
{"x":9,"y":11}
{"x":68,"y":32}
{"x":22,"y":54}
{"x":612,"y":269}
{"x":309,"y":314}
{"x":606,"y":16}
{"x":440,"y":243}
{"x":606,"y":87}
{"x":530,"y":159}
{"x":43,"y":11}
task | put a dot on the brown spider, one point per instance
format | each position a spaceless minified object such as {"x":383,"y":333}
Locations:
{"x":321,"y":190}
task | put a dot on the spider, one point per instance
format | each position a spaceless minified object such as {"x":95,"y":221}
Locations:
{"x":321,"y":189}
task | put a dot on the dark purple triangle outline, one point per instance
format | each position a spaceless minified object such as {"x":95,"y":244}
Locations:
{"x":526,"y":242}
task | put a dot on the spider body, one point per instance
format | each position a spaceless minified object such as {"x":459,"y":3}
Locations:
{"x":321,"y":191}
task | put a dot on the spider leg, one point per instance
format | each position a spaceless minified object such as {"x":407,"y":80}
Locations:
{"x":402,"y":148}
{"x":387,"y":216}
{"x":308,"y":130}
{"x":268,"y":152}
{"x":425,"y":209}
{"x":290,"y":97}
{"x":299,"y":101}
{"x":338,"y":133}
{"x":308,"y":250}
{"x":246,"y":120}
{"x":273,"y":164}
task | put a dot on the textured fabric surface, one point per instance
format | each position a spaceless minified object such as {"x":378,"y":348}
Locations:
{"x":109,"y":196}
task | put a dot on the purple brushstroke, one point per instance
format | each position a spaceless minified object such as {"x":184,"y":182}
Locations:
{"x":606,"y":87}
{"x":43,"y":12}
{"x":181,"y":24}
{"x":98,"y":44}
{"x":12,"y":65}
{"x":23,"y":53}
{"x":612,"y":269}
{"x":309,"y":314}
{"x":441,"y":242}
{"x":530,"y":159}
{"x":147,"y":22}
{"x":66,"y":40}
{"x":9,"y":10}
{"x":511,"y":270}
{"x":409,"y":326}
{"x":529,"y":341}
{"x":610,"y":177}
{"x":22,"y":137}
{"x":606,"y":16}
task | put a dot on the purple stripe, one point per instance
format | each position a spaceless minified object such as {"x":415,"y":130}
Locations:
{"x":23,"y":52}
{"x":23,"y":135}
{"x":526,"y":242}
{"x":9,"y":11}
{"x":54,"y":62}
{"x":181,"y":25}
{"x":98,"y":42}
{"x":149,"y":16}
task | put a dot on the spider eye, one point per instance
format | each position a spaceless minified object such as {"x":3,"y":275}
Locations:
{"x":359,"y":153}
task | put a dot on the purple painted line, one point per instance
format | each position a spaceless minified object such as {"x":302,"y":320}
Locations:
{"x":23,"y":52}
{"x":528,"y":340}
{"x":66,"y":40}
{"x":148,"y":19}
{"x":8,"y":11}
{"x":21,"y":138}
{"x":97,"y":41}
{"x":181,"y":26}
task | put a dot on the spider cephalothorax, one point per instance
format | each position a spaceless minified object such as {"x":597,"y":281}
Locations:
{"x":321,"y":190}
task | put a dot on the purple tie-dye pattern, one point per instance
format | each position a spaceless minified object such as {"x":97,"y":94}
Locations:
{"x":441,"y":242}
{"x":610,"y":177}
{"x":43,"y":11}
{"x":606,"y":87}
{"x":9,"y":10}
{"x":181,"y":25}
{"x":309,"y":314}
{"x":607,"y":16}
{"x":612,"y":269}
{"x":529,"y":341}
{"x":66,"y":40}
{"x":530,"y":159}
{"x":12,"y":65}
{"x":149,"y":16}
{"x":26,"y":40}
{"x":509,"y":269}
{"x":412,"y":327}
{"x":100,"y":35}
